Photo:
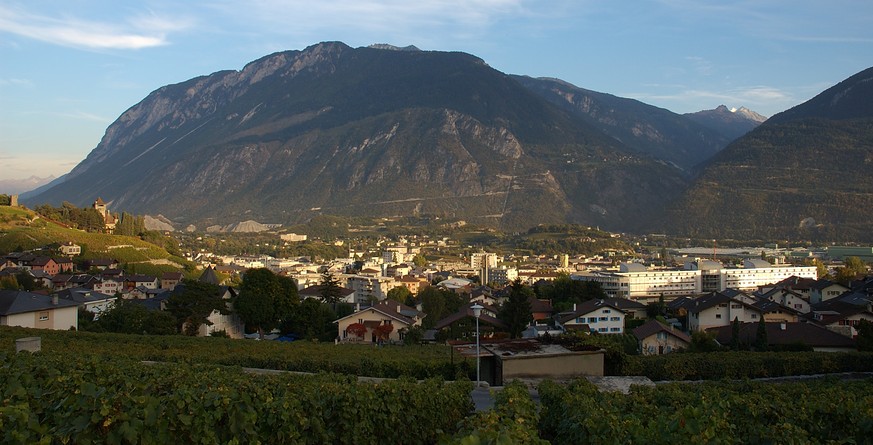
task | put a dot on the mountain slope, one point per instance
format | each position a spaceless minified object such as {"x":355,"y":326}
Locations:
{"x":803,"y":174}
{"x":730,"y":123}
{"x":648,"y":130}
{"x":366,"y":131}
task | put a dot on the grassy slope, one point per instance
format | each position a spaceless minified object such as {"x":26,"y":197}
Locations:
{"x":22,"y":228}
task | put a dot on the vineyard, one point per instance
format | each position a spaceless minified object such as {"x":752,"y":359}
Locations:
{"x":419,"y":362}
{"x":94,"y":388}
{"x":68,"y":398}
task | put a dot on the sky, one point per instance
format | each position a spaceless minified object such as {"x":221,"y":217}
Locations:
{"x":68,"y":69}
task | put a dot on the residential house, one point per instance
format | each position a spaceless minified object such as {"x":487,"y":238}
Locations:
{"x":462,"y":323}
{"x":788,"y":298}
{"x":64,"y":281}
{"x":541,"y":310}
{"x":30,"y":310}
{"x":70,"y":249}
{"x":602,"y":316}
{"x":139,"y":280}
{"x":44,"y":264}
{"x":109,"y":286}
{"x":101,"y":264}
{"x":412,"y":283}
{"x":840,"y":316}
{"x":718,"y":309}
{"x":388,"y":318}
{"x":169,"y":280}
{"x":656,"y":338}
{"x":65,"y":264}
{"x":788,"y":334}
{"x":88,"y":299}
{"x":823,"y":290}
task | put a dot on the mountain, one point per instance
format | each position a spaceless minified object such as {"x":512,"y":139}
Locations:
{"x":370,"y":132}
{"x":802,"y":174}
{"x":16,"y":186}
{"x":732,"y":123}
{"x":648,"y":130}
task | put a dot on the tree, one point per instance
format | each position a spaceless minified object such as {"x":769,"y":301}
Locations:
{"x":256,"y":303}
{"x":399,"y":294}
{"x":383,"y":331}
{"x":865,"y":335}
{"x":735,"y":334}
{"x":192,"y":302}
{"x":419,"y":260}
{"x":331,"y":291}
{"x":852,"y":267}
{"x":761,"y":342}
{"x":413,"y":335}
{"x":313,"y":320}
{"x":26,"y":281}
{"x":516,"y":311}
{"x":128,"y":317}
{"x":357,"y":329}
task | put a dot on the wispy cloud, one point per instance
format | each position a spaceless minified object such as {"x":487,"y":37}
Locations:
{"x":137,"y":32}
{"x":81,"y":115}
{"x":15,"y":82}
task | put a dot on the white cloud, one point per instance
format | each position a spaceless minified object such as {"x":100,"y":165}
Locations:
{"x":138,"y":32}
{"x":15,"y":82}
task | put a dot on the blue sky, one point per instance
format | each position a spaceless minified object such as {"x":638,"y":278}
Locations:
{"x":68,"y":69}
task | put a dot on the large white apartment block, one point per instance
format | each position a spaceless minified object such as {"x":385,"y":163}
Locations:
{"x":635,"y":281}
{"x":369,"y":289}
{"x":481,"y":260}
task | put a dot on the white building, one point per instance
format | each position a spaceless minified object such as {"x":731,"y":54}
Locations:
{"x":637,"y":282}
{"x":481,"y":260}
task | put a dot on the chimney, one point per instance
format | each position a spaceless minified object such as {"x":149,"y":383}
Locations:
{"x":55,"y":300}
{"x":574,"y":307}
{"x":782,"y":326}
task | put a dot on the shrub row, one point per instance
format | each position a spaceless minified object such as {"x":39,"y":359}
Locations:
{"x":67,"y":398}
{"x":420,"y":362}
{"x":714,"y":413}
{"x":513,"y":420}
{"x":743,"y":365}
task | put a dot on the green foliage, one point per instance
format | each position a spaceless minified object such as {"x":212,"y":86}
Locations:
{"x":264,"y":300}
{"x":399,"y":294}
{"x":851,"y":269}
{"x":437,"y":303}
{"x":703,"y":342}
{"x":192,"y":302}
{"x":865,"y":335}
{"x":824,"y":411}
{"x":413,"y":336}
{"x":89,"y":220}
{"x":312,"y":320}
{"x":761,"y":343}
{"x":513,"y":420}
{"x":745,"y":364}
{"x":565,"y":292}
{"x":516,"y":311}
{"x":421,"y":362}
{"x":331,"y":291}
{"x":65,"y":398}
{"x":128,"y":317}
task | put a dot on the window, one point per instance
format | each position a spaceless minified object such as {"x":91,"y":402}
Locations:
{"x":606,"y":311}
{"x":603,"y":329}
{"x":43,"y":316}
{"x":592,"y":319}
{"x":661,"y":336}
{"x":604,"y":319}
{"x":754,"y":316}
{"x":718,"y":316}
{"x":614,"y":329}
{"x":614,"y":318}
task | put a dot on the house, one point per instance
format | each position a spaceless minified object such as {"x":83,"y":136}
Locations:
{"x":718,"y":309}
{"x":69,"y":249}
{"x":169,"y":280}
{"x":386,"y":320}
{"x":44,"y":264}
{"x":109,"y":286}
{"x":64,"y":281}
{"x":65,"y":265}
{"x":88,"y":299}
{"x":823,"y":290}
{"x":139,"y":280}
{"x":602,"y":316}
{"x":412,"y":283}
{"x":788,"y":334}
{"x":840,"y":316}
{"x":30,"y":310}
{"x":656,"y":338}
{"x":788,"y":298}
{"x":101,"y":264}
{"x":541,"y":310}
{"x":462,"y":323}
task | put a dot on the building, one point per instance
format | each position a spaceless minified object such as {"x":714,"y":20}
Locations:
{"x":719,"y":309}
{"x":601,"y":316}
{"x":865,"y":253}
{"x":30,"y":310}
{"x":70,"y":249}
{"x":481,"y":260}
{"x":656,"y":338}
{"x":386,"y":320}
{"x":635,"y":281}
{"x":109,"y":219}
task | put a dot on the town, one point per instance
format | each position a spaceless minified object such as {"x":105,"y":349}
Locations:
{"x":412,"y":288}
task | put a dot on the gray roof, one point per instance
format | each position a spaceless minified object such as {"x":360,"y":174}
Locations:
{"x":19,"y":302}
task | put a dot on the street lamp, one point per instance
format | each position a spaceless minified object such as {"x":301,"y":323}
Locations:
{"x":477,"y":311}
